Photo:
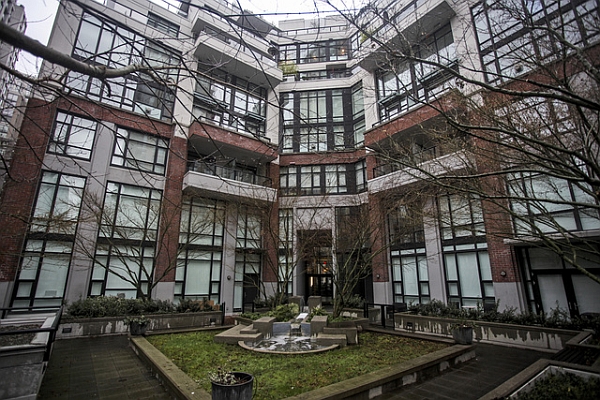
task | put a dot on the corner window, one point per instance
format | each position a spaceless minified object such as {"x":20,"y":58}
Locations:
{"x":140,"y":151}
{"x":72,"y":136}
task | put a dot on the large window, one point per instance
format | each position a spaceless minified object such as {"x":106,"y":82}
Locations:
{"x":199,"y":260}
{"x":102,"y":43}
{"x":47,"y":254}
{"x":248,"y":258}
{"x":410,"y":276}
{"x":130,"y":212}
{"x":544,"y":204}
{"x":304,"y":53}
{"x":318,"y":179}
{"x":140,"y":151}
{"x":405,"y":84}
{"x":58,"y":204}
{"x":466,"y":260}
{"x":230,"y":101}
{"x":124,"y":262}
{"x":514,"y":36}
{"x":163,"y":25}
{"x":551,"y":282}
{"x":72,"y":136}
{"x":325,"y":120}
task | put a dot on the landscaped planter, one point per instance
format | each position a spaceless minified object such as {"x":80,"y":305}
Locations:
{"x":117,"y":325}
{"x":22,"y":367}
{"x":535,"y":337}
{"x":374,"y":314}
{"x":527,"y":379}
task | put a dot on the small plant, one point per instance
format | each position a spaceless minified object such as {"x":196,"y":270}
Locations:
{"x":355,"y":301}
{"x":136,"y":319}
{"x":189,"y":305}
{"x":317,"y":311}
{"x":224,"y":377}
{"x":284,"y":312}
{"x":462,"y":323}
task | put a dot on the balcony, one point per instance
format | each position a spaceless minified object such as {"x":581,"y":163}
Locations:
{"x":408,"y":26}
{"x":397,"y":176}
{"x":226,"y":183}
{"x":244,"y":54}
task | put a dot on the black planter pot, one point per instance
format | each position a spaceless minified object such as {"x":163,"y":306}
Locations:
{"x":136,"y":329}
{"x":463,"y":335}
{"x":240,"y":391}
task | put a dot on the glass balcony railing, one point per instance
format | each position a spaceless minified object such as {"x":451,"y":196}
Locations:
{"x":405,"y":162}
{"x":236,"y":174}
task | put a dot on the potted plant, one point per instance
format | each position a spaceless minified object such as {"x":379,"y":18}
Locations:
{"x":227,"y":385}
{"x":462,"y":331}
{"x":137,"y":324}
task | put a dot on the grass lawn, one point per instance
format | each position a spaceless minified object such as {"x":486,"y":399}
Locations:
{"x":280,"y":376}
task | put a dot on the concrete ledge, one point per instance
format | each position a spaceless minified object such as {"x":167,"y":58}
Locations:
{"x":235,"y":334}
{"x":531,"y":372}
{"x":173,"y":379}
{"x":367,"y":386}
{"x":389,"y":379}
{"x":329,"y":339}
{"x":351,"y":333}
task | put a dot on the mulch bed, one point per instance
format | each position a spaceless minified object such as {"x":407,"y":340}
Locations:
{"x":16,"y":338}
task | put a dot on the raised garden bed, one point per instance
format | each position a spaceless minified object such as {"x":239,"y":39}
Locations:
{"x":531,"y":337}
{"x":76,"y":327}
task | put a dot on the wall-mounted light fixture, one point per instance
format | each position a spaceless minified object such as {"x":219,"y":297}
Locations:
{"x":228,"y":277}
{"x":503,"y":273}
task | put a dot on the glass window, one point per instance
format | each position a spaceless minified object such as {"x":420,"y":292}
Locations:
{"x":202,"y":222}
{"x":140,"y":151}
{"x":72,"y":136}
{"x":58,"y":203}
{"x":315,"y":121}
{"x":130,"y":212}
{"x":103,"y":43}
{"x":43,"y":274}
{"x":163,"y":25}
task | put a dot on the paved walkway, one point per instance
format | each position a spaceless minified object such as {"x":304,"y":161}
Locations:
{"x":493,"y":366}
{"x":106,"y":368}
{"x":98,"y":368}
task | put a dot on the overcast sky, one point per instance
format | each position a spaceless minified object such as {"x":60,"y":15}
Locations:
{"x":40,"y":17}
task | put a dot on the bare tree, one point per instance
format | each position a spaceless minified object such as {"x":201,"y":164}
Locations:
{"x":520,"y":132}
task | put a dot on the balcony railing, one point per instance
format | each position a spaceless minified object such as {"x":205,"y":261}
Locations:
{"x":405,"y":162}
{"x":236,"y":174}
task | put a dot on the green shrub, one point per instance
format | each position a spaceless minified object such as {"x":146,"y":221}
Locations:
{"x":354,"y":301}
{"x":316,"y":311}
{"x":557,"y":318}
{"x":284,"y":312}
{"x":563,"y":386}
{"x":110,"y":306}
{"x":189,"y":305}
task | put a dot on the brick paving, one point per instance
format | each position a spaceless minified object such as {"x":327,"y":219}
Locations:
{"x":98,"y":368}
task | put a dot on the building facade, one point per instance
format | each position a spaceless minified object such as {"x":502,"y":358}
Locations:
{"x":240,"y":160}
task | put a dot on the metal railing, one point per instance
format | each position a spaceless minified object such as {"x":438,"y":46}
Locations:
{"x":31,"y":310}
{"x":236,"y":174}
{"x":405,"y":162}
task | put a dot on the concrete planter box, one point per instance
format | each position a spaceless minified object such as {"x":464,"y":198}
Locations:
{"x":116,"y":325}
{"x":374,"y":314}
{"x":525,"y":380}
{"x":356,"y":323}
{"x":533,"y":337}
{"x":22,"y":367}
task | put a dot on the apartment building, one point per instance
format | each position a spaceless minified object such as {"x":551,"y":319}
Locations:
{"x":14,"y":16}
{"x":241,"y":159}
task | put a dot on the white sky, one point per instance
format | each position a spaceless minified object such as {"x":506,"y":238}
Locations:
{"x":40,"y":17}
